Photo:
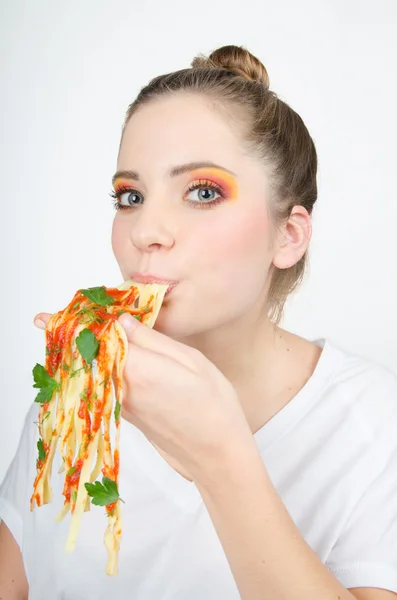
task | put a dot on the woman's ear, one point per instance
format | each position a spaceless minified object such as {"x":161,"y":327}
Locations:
{"x":293,"y":239}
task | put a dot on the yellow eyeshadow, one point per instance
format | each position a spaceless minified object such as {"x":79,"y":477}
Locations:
{"x":225,"y":180}
{"x":121,"y":183}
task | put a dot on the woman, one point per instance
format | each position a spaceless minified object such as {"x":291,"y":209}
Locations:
{"x":255,"y":463}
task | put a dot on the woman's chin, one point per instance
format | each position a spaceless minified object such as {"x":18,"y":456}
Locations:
{"x":175,"y":324}
{"x":167,"y":322}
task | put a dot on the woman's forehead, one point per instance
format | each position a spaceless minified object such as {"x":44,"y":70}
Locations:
{"x":172,"y":131}
{"x":180,"y":117}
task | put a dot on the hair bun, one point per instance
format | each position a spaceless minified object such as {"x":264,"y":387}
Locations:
{"x":236,"y":59}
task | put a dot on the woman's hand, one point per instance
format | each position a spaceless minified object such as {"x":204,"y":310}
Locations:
{"x":180,"y":401}
{"x":41,"y":320}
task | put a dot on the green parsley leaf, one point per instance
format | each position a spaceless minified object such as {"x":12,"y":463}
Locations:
{"x":74,"y":373}
{"x":71,"y":471}
{"x":74,"y":496}
{"x":117,"y":410}
{"x":40,"y":448}
{"x":90,"y":316}
{"x":137,"y":317}
{"x":98,"y":295}
{"x":105,"y":381}
{"x":44,"y":395}
{"x":88,"y":345}
{"x":46,"y":416}
{"x":103,"y":493}
{"x":42,"y":378}
{"x":55,"y":350}
{"x":45,"y":383}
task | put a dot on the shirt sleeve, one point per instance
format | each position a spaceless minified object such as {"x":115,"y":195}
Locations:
{"x":365,"y":554}
{"x":17,"y":485}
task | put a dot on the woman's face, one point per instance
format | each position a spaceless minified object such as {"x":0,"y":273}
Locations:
{"x":193,"y":209}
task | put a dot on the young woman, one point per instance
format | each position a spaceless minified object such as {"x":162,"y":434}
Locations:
{"x":254,"y":463}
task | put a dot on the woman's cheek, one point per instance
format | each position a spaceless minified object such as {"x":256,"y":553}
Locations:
{"x":238,"y":235}
{"x":119,"y":238}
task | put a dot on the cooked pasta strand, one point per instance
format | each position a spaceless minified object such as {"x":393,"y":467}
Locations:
{"x":82,"y":388}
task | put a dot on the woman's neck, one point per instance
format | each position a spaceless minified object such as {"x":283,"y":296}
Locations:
{"x":266,"y":364}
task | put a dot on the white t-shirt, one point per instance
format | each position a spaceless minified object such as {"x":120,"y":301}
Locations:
{"x":331,"y":453}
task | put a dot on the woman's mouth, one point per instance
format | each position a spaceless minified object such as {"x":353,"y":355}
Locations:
{"x":149,"y":278}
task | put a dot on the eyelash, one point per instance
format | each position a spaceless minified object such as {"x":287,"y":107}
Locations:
{"x":200,"y":184}
{"x":116,"y":196}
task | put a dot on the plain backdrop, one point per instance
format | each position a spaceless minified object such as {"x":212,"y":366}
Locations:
{"x":69,"y":71}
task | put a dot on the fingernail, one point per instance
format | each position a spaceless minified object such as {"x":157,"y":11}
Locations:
{"x":39,"y":323}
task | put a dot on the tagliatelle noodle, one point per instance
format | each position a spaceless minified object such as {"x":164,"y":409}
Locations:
{"x":81,"y":394}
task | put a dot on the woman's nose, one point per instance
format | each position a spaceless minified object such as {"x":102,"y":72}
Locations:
{"x":152,"y":229}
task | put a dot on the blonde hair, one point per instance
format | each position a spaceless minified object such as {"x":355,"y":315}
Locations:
{"x":272,"y":130}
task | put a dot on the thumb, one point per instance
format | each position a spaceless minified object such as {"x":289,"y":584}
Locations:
{"x":145,"y":337}
{"x":129,"y":324}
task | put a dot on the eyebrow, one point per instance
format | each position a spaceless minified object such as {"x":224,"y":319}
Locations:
{"x":175,"y":171}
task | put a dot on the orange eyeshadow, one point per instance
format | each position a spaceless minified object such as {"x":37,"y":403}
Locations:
{"x":121,"y":184}
{"x":224,"y":180}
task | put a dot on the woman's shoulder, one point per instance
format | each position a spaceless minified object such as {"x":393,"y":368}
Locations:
{"x":359,"y":370}
{"x":323,"y":367}
{"x":364,"y":386}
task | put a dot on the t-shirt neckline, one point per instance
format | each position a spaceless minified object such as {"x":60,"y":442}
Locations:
{"x":184,"y":492}
{"x":328,"y":363}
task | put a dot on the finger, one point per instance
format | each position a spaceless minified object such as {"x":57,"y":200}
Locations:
{"x":41,"y":320}
{"x":148,"y":338}
{"x":144,"y":366}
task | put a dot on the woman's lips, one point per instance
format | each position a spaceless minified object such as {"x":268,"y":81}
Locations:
{"x":170,"y":288}
{"x":148,"y":278}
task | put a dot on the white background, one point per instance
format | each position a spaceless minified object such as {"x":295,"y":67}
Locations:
{"x":69,"y":71}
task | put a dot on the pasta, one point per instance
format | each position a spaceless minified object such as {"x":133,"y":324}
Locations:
{"x":81,"y":393}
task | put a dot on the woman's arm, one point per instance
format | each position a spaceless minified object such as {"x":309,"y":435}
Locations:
{"x":13,"y":582}
{"x":268,"y":556}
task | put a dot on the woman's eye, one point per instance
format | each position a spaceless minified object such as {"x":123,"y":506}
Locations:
{"x":130,"y":198}
{"x":203,"y":194}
